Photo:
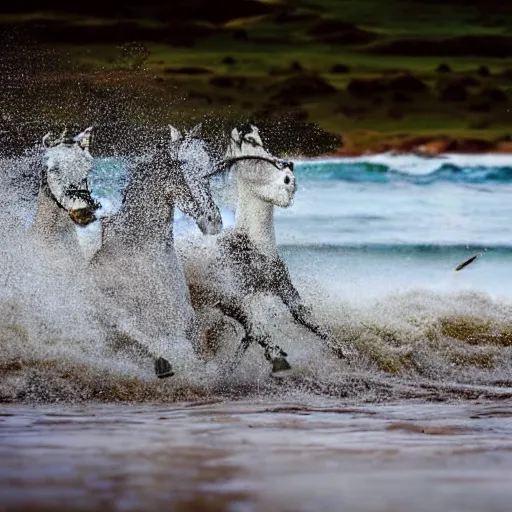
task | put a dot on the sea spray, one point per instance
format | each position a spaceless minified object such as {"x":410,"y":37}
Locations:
{"x":422,"y":340}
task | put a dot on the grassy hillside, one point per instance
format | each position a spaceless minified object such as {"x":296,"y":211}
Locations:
{"x":377,"y":73}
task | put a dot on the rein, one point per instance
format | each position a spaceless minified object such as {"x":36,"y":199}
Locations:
{"x":226,"y":164}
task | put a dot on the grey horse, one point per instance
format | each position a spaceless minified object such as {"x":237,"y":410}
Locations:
{"x":64,"y":199}
{"x":245,"y":264}
{"x":137,"y":267}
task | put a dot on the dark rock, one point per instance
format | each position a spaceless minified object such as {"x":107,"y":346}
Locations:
{"x":340,"y":68}
{"x":443,"y":68}
{"x":483,"y":71}
{"x":230,"y":61}
{"x":296,"y":67}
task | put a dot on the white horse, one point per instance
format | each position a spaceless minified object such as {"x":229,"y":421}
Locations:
{"x":64,"y":199}
{"x":137,"y":266}
{"x":245,"y":263}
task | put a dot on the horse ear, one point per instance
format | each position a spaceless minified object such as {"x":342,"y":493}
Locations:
{"x":196,"y":131}
{"x":235,"y":135}
{"x":175,"y":134}
{"x":84,"y":138}
{"x":47,"y":143}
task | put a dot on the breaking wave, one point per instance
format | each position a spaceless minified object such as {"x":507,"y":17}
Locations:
{"x":411,"y":169}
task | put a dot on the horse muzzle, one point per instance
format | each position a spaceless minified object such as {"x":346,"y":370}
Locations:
{"x":210,"y":227}
{"x":83,"y":216}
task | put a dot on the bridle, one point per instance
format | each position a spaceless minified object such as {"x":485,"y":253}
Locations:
{"x":72,"y":191}
{"x":83,"y":194}
{"x":226,"y":164}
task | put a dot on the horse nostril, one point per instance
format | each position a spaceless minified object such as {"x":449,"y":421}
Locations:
{"x":287,"y":180}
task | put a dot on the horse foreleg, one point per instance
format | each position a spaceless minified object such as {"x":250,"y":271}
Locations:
{"x":240,"y":352}
{"x":119,"y":340}
{"x":304,"y":316}
{"x":273,"y":353}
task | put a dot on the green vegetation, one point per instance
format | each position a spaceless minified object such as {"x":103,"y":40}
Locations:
{"x":377,"y":73}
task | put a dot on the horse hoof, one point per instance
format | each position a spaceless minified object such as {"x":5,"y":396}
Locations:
{"x":280,"y":367}
{"x":163,"y":368}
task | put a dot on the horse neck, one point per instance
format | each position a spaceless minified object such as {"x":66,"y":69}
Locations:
{"x":255,"y":218}
{"x":52,"y":223}
{"x":146,"y":215}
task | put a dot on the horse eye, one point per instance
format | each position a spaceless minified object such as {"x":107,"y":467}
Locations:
{"x":287,"y":180}
{"x":209,"y":218}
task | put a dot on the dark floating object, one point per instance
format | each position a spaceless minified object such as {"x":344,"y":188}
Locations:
{"x":464,"y":264}
{"x":163,"y":368}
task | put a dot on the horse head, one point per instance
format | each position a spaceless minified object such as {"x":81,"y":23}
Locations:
{"x":191,"y":187}
{"x":269,"y":178}
{"x":67,"y":165}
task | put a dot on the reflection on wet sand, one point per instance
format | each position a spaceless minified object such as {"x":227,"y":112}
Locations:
{"x":257,"y":456}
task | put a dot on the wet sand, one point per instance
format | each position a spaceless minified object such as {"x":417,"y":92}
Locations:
{"x":257,"y":456}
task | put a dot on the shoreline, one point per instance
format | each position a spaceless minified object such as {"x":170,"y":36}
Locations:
{"x":428,"y":148}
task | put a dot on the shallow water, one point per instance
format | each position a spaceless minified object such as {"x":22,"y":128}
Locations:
{"x":259,"y":455}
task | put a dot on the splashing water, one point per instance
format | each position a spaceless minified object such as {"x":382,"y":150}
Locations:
{"x":420,"y":329}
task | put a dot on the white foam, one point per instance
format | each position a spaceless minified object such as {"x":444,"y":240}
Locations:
{"x":417,"y":165}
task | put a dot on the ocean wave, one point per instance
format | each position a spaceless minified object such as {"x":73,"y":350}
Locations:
{"x":410,"y":169}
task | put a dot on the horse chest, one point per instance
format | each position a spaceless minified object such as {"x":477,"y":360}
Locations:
{"x":253,"y":270}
